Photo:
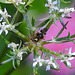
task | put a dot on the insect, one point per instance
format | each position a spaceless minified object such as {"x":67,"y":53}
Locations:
{"x":39,"y":35}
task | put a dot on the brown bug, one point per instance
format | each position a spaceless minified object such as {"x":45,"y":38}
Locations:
{"x":39,"y":35}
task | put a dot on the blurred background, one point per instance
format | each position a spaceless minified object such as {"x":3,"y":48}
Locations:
{"x":39,"y":11}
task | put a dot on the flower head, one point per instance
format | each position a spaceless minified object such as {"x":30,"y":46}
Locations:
{"x":51,"y":5}
{"x":20,"y":54}
{"x":38,"y":60}
{"x":50,"y":62}
{"x":4,"y":27}
{"x":66,"y":11}
{"x":13,"y":45}
{"x":4,"y":14}
{"x":66,"y":59}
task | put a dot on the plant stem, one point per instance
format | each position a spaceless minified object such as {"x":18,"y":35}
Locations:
{"x":49,"y":51}
{"x":21,"y":35}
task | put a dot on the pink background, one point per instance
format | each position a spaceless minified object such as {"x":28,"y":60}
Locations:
{"x":60,"y":47}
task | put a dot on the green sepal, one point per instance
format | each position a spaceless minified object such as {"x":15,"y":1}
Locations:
{"x":33,"y":21}
{"x":18,"y":62}
{"x":54,"y":68}
{"x":67,"y":65}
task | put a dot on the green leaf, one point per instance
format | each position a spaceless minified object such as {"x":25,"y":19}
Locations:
{"x":49,"y":23}
{"x":29,"y":2}
{"x":61,"y":30}
{"x":61,"y":21}
{"x":68,"y":34}
{"x":65,"y":1}
{"x":54,"y":68}
{"x":17,"y":24}
{"x":43,"y":23}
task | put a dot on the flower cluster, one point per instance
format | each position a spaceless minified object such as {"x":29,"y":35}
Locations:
{"x":67,"y":58}
{"x":55,"y":12}
{"x":49,"y":63}
{"x":4,"y":27}
{"x":16,"y":50}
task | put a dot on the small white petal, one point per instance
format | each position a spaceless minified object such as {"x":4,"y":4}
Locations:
{"x":55,"y":2}
{"x":1,"y":19}
{"x":70,"y":58}
{"x":54,"y":65}
{"x":56,"y":8}
{"x":1,"y":31}
{"x":34,"y":64}
{"x":62,"y":60}
{"x":46,"y":5}
{"x":48,"y":67}
{"x":73,"y":53}
{"x":3,"y":23}
{"x":61,"y":10}
{"x":70,"y":49}
{"x":68,"y":63}
{"x":6,"y":32}
{"x":40,"y":64}
{"x":63,"y":15}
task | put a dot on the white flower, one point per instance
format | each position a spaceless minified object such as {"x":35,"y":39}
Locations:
{"x":66,"y":59}
{"x":66,"y":11}
{"x":38,"y":60}
{"x":4,"y":14}
{"x":20,"y":54}
{"x":50,"y":62}
{"x":51,"y":5}
{"x":17,"y":2}
{"x":13,"y":45}
{"x":4,"y":27}
{"x":69,"y":53}
{"x":11,"y":27}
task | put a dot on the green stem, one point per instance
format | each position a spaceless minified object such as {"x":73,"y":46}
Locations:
{"x":7,"y":60}
{"x":58,"y":3}
{"x":48,"y":51}
{"x":13,"y":20}
{"x":21,"y":35}
{"x":26,"y":18}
